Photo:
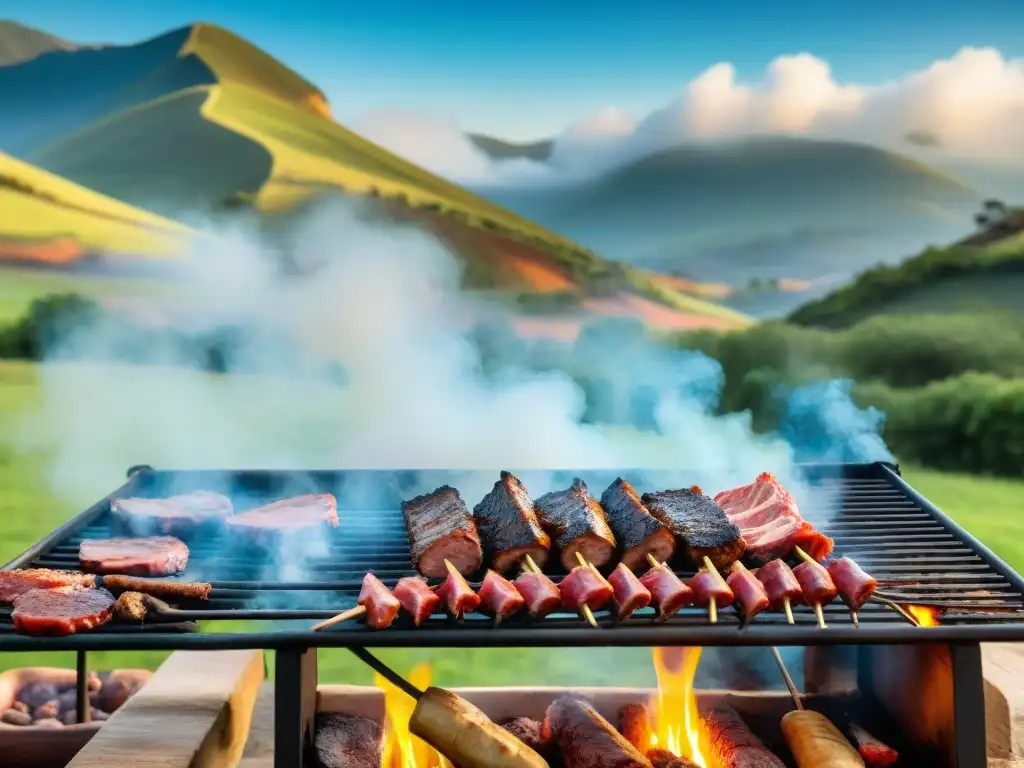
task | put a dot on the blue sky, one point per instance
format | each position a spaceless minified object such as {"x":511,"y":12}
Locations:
{"x":524,"y":69}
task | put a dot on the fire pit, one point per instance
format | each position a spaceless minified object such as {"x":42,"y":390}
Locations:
{"x":945,"y":593}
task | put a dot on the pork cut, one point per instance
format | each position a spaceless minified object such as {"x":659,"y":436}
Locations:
{"x":61,"y":610}
{"x":298,"y":515}
{"x":179,"y":515}
{"x":19,"y":581}
{"x":638,"y":532}
{"x":440,"y":528}
{"x":509,"y":528}
{"x":344,"y":741}
{"x":155,"y":556}
{"x":699,"y":525}
{"x":577,"y":523}
{"x":417,"y":598}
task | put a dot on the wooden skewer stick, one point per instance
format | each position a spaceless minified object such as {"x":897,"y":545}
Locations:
{"x":788,"y":607}
{"x":531,"y":565}
{"x":789,"y":680}
{"x":712,"y":604}
{"x":351,"y":613}
{"x":587,"y":613}
{"x":817,"y":606}
{"x":820,"y":616}
{"x":898,"y":608}
{"x":454,"y":573}
{"x":856,"y":619}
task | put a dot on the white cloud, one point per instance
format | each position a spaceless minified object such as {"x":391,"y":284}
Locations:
{"x":973,"y":103}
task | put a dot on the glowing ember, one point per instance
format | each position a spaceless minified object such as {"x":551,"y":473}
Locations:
{"x":923,"y":615}
{"x":401,"y":748}
{"x":674,"y":717}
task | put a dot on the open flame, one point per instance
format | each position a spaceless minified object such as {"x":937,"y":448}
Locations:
{"x":924,"y":615}
{"x":675,"y":721}
{"x":401,"y":748}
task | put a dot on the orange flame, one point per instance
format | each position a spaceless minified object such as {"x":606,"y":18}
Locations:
{"x":924,"y":615}
{"x":401,"y":748}
{"x":674,"y":716}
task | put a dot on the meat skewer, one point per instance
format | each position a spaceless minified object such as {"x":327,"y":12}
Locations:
{"x":854,"y":585}
{"x":781,"y":586}
{"x":750,"y":593}
{"x":586,"y":590}
{"x":509,"y":527}
{"x":630,"y":593}
{"x":815,"y":583}
{"x":541,"y":594}
{"x":458,"y":596}
{"x":577,"y":524}
{"x":639,"y":533}
{"x":440,"y":528}
{"x":500,"y":595}
{"x":710,"y":588}
{"x":417,"y":598}
{"x":667,"y":589}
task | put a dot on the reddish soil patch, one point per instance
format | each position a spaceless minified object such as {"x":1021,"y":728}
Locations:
{"x":657,"y":317}
{"x":60,"y":250}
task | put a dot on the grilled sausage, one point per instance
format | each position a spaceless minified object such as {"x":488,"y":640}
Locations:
{"x":816,"y":743}
{"x":466,"y":736}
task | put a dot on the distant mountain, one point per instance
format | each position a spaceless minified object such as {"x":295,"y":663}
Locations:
{"x":19,"y":43}
{"x":497,"y":149}
{"x":200,"y":119}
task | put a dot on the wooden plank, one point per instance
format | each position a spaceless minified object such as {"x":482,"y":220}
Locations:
{"x":195,"y":712}
{"x":1003,"y":665}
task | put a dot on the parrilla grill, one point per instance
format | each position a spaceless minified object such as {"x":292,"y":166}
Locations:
{"x":918,"y":555}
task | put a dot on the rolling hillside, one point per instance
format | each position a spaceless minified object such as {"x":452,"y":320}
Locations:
{"x":198,"y":118}
{"x":19,"y":43}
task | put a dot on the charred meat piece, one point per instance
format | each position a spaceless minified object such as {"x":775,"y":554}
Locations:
{"x":166,"y":590}
{"x":816,"y":585}
{"x":585,"y":586}
{"x":509,"y":526}
{"x":440,"y":528}
{"x":577,"y":523}
{"x":531,"y":733}
{"x":637,"y":531}
{"x":750,"y":593}
{"x":180,"y":515}
{"x":381,"y":606}
{"x":541,"y":594}
{"x":266,"y":525}
{"x":731,"y":743}
{"x":586,"y":739}
{"x":155,"y":556}
{"x":14,"y":583}
{"x":662,"y":758}
{"x":635,"y":726}
{"x":629,"y":592}
{"x":854,"y":585}
{"x":668,"y":590}
{"x":131,"y":606}
{"x":416,"y":598}
{"x":874,"y":753}
{"x":767,"y":515}
{"x":459,"y":598}
{"x":61,"y":611}
{"x":779,"y":583}
{"x":708,"y":586}
{"x":500,"y":595}
{"x":343,"y":741}
{"x":698,"y":524}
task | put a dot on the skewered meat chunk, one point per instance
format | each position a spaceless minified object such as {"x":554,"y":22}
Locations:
{"x":637,"y":531}
{"x":668,"y":590}
{"x":500,"y":595}
{"x":154,"y":556}
{"x":381,"y":606}
{"x":576,"y":523}
{"x":816,"y":585}
{"x":629,"y":592}
{"x":343,"y":741}
{"x":854,"y":585}
{"x":176,"y":515}
{"x":731,"y":744}
{"x":61,"y":610}
{"x":586,"y":739}
{"x":779,"y":583}
{"x":708,"y":586}
{"x":459,"y":598}
{"x":698,"y":524}
{"x":440,"y":528}
{"x":509,"y":527}
{"x":19,"y":581}
{"x":541,"y":594}
{"x":416,"y":598}
{"x":750,"y":593}
{"x":585,"y":586}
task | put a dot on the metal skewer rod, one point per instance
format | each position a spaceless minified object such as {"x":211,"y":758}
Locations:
{"x":386,"y":672}
{"x":789,"y":680}
{"x":587,"y":613}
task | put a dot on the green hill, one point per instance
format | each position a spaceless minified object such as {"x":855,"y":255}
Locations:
{"x":984,"y":273}
{"x":19,"y":43}
{"x":199,"y":118}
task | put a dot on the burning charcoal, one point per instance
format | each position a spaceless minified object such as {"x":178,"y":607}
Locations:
{"x":67,"y":701}
{"x":36,"y":694}
{"x":48,"y":722}
{"x":16,"y":717}
{"x":70,"y":717}
{"x":661,"y":758}
{"x":531,"y":733}
{"x":116,"y":691}
{"x":21,"y":706}
{"x":635,"y":726}
{"x":352,"y":742}
{"x":48,"y":710}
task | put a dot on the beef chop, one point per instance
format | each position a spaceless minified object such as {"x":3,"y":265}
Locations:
{"x":179,"y":515}
{"x":17,"y":582}
{"x":577,"y":523}
{"x":156,"y":556}
{"x":440,"y":528}
{"x":639,"y":533}
{"x":509,"y":527}
{"x":699,"y":524}
{"x":296,"y":515}
{"x":61,"y":610}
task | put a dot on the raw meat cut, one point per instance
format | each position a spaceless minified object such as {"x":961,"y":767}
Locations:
{"x":180,"y":515}
{"x":541,"y":594}
{"x":417,"y":598}
{"x":500,"y":595}
{"x":381,"y":606}
{"x":61,"y":610}
{"x":17,"y":582}
{"x":630,"y":593}
{"x":440,"y":528}
{"x":669,"y":592}
{"x":509,"y":527}
{"x":156,"y":556}
{"x":296,"y":515}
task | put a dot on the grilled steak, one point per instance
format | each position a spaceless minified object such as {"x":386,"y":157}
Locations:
{"x":509,"y":527}
{"x":179,"y":515}
{"x":577,"y":523}
{"x":343,"y":741}
{"x":440,"y":528}
{"x":266,"y":525}
{"x":17,"y":582}
{"x":157,"y":556}
{"x":586,"y":739}
{"x":61,"y":610}
{"x":730,"y":742}
{"x":638,"y":532}
{"x":167,"y":590}
{"x":699,"y":524}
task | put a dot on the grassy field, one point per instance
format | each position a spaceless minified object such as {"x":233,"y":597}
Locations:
{"x":29,"y":508}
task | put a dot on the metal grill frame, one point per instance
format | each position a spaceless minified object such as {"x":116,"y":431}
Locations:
{"x":549,"y":633}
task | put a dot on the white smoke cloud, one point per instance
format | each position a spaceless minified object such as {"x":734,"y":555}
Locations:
{"x":972,"y":103}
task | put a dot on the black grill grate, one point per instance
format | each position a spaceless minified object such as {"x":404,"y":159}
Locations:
{"x":916,"y":553}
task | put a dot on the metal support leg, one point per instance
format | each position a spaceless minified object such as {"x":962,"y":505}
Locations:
{"x":968,"y":705}
{"x":82,"y":710}
{"x":295,"y":679}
